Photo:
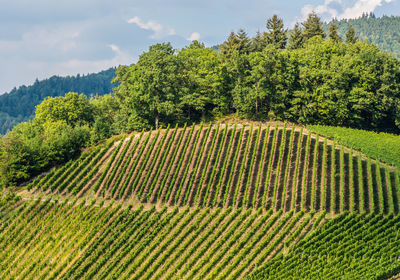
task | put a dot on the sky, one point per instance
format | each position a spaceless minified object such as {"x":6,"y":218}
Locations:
{"x":42,"y":38}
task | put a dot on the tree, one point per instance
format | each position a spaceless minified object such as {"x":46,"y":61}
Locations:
{"x":202,"y":91}
{"x":239,"y":42}
{"x":257,"y":43}
{"x":276,"y":34}
{"x":313,"y":27}
{"x":149,"y":91}
{"x":73,"y":108}
{"x":296,"y":39}
{"x":351,"y":35}
{"x":333,"y":35}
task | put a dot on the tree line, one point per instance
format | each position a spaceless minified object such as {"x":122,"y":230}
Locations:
{"x":305,"y":76}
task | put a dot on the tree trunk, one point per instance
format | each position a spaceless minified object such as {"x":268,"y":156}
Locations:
{"x":156,"y":121}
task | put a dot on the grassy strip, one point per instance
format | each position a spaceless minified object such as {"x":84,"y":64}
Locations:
{"x":351,"y":180}
{"x":361,"y":186}
{"x":370,"y":187}
{"x":305,"y":169}
{"x":296,"y":169}
{"x":282,"y":146}
{"x":233,"y":166}
{"x":161,"y":165}
{"x":342,"y":182}
{"x":242,"y":165}
{"x":133,"y":168}
{"x":271,"y":154}
{"x":188,"y":164}
{"x":285,"y":179}
{"x":313,"y":202}
{"x":253,"y":158}
{"x":153,"y":162}
{"x":221,"y":145}
{"x":224,"y":166}
{"x":197,"y":198}
{"x":122,"y":173}
{"x":333,"y":178}
{"x":323,"y":175}
{"x":160,"y":190}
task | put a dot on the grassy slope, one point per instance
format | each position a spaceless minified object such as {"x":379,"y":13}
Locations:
{"x":381,"y":146}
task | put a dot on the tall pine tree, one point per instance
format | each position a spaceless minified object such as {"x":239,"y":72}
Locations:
{"x":333,"y":35}
{"x":313,"y":27}
{"x":351,"y":35}
{"x":296,"y":38}
{"x":276,"y":34}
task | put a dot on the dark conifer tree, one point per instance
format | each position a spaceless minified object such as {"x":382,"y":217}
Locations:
{"x":313,"y":27}
{"x":257,"y":42}
{"x":296,"y":38}
{"x":351,"y":37}
{"x":276,"y":34}
{"x":333,"y":35}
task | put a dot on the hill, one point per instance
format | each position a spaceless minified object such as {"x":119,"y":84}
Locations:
{"x":19,"y":104}
{"x":270,"y":166}
{"x":383,"y":31}
{"x":210,"y":201}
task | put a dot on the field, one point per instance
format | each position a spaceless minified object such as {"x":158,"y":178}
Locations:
{"x":381,"y":146}
{"x":269,"y":166}
{"x":48,"y":240}
{"x":209,"y":201}
{"x":349,"y":246}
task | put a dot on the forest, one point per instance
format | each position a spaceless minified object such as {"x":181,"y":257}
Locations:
{"x":307,"y":76}
{"x":19,"y":104}
{"x":382,"y":31}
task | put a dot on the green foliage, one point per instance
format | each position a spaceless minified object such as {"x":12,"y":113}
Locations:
{"x":333,"y":33}
{"x":313,"y":27}
{"x":19,"y":104}
{"x":150,"y":89}
{"x":346,"y":247}
{"x":276,"y":34}
{"x":72,"y":108}
{"x":382,"y":32}
{"x":296,"y":38}
{"x":381,"y":146}
{"x":351,"y":35}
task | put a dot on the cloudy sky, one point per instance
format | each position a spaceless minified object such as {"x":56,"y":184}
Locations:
{"x":42,"y":38}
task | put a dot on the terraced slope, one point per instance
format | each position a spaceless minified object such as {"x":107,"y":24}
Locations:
{"x":49,"y":240}
{"x":251,"y":166}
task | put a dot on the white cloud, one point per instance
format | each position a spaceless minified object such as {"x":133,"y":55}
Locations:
{"x":194,"y":36}
{"x":159,"y":30}
{"x":327,"y":12}
{"x":362,"y":6}
{"x":321,"y":9}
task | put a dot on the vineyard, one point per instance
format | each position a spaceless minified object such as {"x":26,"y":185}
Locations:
{"x":48,"y":240}
{"x":270,"y":166}
{"x":209,"y":201}
{"x":347,"y":247}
